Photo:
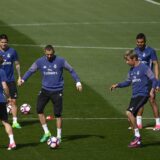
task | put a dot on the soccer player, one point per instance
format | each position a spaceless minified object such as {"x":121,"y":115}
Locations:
{"x":51,"y":67}
{"x":10,"y":57}
{"x":3,"y":110}
{"x":139,"y":77}
{"x":147,"y":55}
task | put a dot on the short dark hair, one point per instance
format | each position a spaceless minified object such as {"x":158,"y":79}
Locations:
{"x":49,"y":48}
{"x":141,"y":36}
{"x":131,"y":54}
{"x":1,"y":59}
{"x":3,"y":36}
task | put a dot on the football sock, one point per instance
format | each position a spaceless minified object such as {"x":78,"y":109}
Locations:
{"x":139,"y":120}
{"x":59,"y":132}
{"x":45,"y":128}
{"x":157,"y":121}
{"x":136,"y":132}
{"x":14,"y":119}
{"x":11,"y":139}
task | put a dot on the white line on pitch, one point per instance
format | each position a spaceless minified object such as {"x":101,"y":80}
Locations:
{"x":153,"y":2}
{"x":84,"y":118}
{"x":76,"y":47}
{"x":77,"y":23}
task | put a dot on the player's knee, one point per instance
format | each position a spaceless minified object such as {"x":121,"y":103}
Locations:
{"x":128,"y":113}
{"x":39,"y":111}
{"x":58,"y":115}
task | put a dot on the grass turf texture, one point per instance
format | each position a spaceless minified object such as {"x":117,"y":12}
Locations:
{"x":111,"y":24}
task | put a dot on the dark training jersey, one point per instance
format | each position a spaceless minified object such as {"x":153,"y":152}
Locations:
{"x":139,"y":77}
{"x":2,"y":79}
{"x":147,"y":56}
{"x":9,"y":56}
{"x":52,"y":79}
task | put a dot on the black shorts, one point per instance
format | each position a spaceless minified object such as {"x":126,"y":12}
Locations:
{"x":136,"y":103}
{"x":56,"y":98}
{"x":12,"y":90}
{"x":3,"y":112}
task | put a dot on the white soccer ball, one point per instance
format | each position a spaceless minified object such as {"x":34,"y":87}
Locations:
{"x":25,"y":108}
{"x":53,"y":142}
{"x":9,"y":109}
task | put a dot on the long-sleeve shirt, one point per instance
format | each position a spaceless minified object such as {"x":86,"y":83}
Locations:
{"x":139,"y":77}
{"x":52,"y":72}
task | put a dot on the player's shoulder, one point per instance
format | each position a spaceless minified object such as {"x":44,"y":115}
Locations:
{"x":59,"y":58}
{"x":143,"y":66}
{"x":150,"y":49}
{"x":11,"y":50}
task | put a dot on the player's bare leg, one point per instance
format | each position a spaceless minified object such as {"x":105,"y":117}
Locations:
{"x":155,"y":109}
{"x":59,"y":127}
{"x":14,"y":114}
{"x":136,"y":142}
{"x":8,"y":129}
{"x":47,"y":133}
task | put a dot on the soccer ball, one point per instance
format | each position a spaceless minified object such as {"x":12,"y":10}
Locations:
{"x":25,"y":108}
{"x":53,"y":142}
{"x":9,"y":109}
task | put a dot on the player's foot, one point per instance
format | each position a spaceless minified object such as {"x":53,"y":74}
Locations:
{"x":45,"y":137}
{"x":11,"y":146}
{"x":16,"y":125}
{"x":139,"y":126}
{"x":129,"y":127}
{"x":136,"y":142}
{"x":60,"y":139}
{"x":156,"y":128}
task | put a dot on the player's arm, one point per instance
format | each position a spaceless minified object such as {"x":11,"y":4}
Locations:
{"x":17,"y":65}
{"x":74,"y":75}
{"x":154,"y":59}
{"x":6,"y":90}
{"x":151,"y":76}
{"x":126,"y":83}
{"x":30,"y":71}
{"x":156,"y":69}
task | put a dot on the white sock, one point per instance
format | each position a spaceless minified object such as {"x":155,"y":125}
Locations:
{"x":157,"y":121}
{"x":59,"y":132}
{"x":11,"y":139}
{"x":139,"y":120}
{"x":14,"y":119}
{"x":136,"y":132}
{"x":45,"y":128}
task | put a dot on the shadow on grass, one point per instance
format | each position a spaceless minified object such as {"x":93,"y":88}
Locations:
{"x":24,"y":145}
{"x":29,"y":122}
{"x":155,"y":144}
{"x":77,"y":137}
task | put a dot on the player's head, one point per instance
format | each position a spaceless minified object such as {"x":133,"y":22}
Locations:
{"x":3,"y":41}
{"x":1,"y":59}
{"x":131,"y":57}
{"x":49,"y":52}
{"x":141,"y":40}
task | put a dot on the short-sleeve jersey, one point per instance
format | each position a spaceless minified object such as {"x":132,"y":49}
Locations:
{"x":2,"y":79}
{"x":9,"y":56}
{"x":147,"y":56}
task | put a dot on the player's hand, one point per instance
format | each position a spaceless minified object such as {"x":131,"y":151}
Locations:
{"x":152,"y":93}
{"x":113,"y":86}
{"x":20,"y":82}
{"x":9,"y":100}
{"x":79,"y":86}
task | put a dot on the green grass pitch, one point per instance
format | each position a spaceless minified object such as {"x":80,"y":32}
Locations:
{"x":92,"y":35}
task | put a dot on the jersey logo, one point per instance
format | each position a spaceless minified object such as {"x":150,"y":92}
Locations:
{"x":55,"y":66}
{"x":44,"y":67}
{"x":144,"y":55}
{"x":8,"y":55}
